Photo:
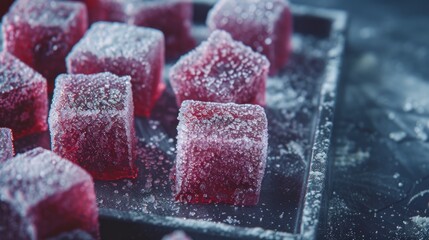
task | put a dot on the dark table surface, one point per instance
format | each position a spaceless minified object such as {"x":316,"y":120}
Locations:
{"x":379,"y":184}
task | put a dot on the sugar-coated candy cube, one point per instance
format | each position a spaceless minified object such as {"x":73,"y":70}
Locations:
{"x":221,"y":153}
{"x":264,"y":25}
{"x":220,"y":70}
{"x":23,"y":97}
{"x":93,"y":9}
{"x":177,"y":235}
{"x":43,"y":195}
{"x":91,"y":123}
{"x":172,"y":17}
{"x":123,"y":50}
{"x":41,"y":33}
{"x":6,"y":144}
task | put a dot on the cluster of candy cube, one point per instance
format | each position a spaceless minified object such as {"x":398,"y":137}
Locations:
{"x":104,"y":74}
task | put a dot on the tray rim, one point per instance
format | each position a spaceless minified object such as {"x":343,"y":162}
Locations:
{"x":312,"y":193}
{"x":322,"y":135}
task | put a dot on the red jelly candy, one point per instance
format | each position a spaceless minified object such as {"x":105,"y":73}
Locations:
{"x":93,"y":8}
{"x":123,"y":50}
{"x":172,"y":17}
{"x":264,"y":25}
{"x":221,"y":153}
{"x":43,"y":195}
{"x":6,"y":144}
{"x":23,"y":97}
{"x":220,"y":70}
{"x":41,"y":33}
{"x":91,"y":123}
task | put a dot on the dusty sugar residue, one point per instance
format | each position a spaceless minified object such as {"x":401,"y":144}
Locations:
{"x":347,"y":155}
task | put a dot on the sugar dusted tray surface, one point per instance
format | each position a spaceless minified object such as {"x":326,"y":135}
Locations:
{"x":292,"y":104}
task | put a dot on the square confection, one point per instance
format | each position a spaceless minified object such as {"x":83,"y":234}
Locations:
{"x":221,"y":153}
{"x":172,"y":17}
{"x":264,"y":25}
{"x":91,"y":123}
{"x":41,"y":33}
{"x":220,"y":70}
{"x":94,"y":9}
{"x":23,"y":97}
{"x":124,"y":50}
{"x":43,"y":195}
{"x":6,"y":144}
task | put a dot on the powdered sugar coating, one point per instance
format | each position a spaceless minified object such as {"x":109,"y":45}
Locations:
{"x":23,"y":97}
{"x":91,"y":123}
{"x":264,"y":25}
{"x":172,"y":17}
{"x":106,"y":39}
{"x":221,"y":153}
{"x":220,"y":70}
{"x":96,"y":93}
{"x":42,"y":195}
{"x":6,"y":144}
{"x":46,"y":13}
{"x":123,"y":50}
{"x":41,"y":33}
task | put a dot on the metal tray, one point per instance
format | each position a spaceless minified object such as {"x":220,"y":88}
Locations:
{"x":300,"y":111}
